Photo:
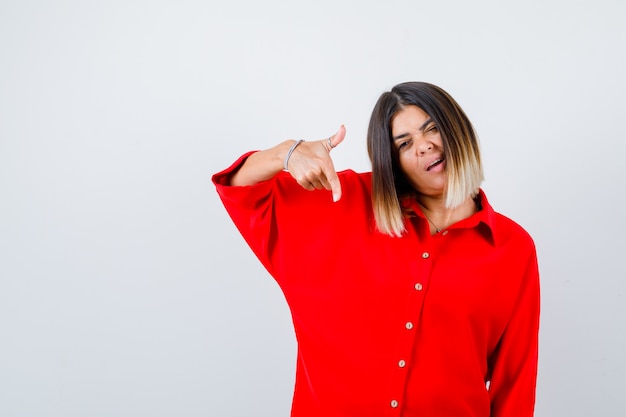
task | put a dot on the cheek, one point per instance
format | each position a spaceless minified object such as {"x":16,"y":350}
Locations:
{"x":403,"y":166}
{"x":408,"y":164}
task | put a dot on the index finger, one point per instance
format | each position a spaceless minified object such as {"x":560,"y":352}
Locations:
{"x":333,"y":180}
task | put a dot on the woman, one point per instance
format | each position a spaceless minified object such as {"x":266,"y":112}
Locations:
{"x":409,"y":295}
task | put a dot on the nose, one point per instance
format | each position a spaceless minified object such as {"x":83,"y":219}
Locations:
{"x":423,"y":145}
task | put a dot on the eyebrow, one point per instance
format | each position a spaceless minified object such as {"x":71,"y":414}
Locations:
{"x":421,"y":129}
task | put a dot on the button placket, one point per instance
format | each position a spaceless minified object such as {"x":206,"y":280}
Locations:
{"x":416,"y":287}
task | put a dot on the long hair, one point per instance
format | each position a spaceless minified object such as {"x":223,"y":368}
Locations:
{"x":460,"y":143}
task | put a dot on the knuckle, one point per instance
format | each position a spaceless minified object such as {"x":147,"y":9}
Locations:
{"x":313,"y":173}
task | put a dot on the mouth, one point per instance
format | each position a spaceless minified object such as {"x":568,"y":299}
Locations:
{"x":435,"y":163}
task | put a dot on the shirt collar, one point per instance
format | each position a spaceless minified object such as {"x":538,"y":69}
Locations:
{"x":484,"y":220}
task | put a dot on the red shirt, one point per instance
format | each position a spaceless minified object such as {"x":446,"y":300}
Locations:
{"x":421,"y":325}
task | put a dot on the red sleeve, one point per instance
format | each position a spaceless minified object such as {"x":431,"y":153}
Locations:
{"x":281,"y":221}
{"x":249,"y":207}
{"x":514,"y":364}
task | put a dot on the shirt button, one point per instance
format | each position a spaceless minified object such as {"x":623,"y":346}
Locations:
{"x":425,"y":255}
{"x":409,"y":325}
{"x":401,"y":363}
{"x":445,"y":232}
{"x":418,"y":286}
{"x":394,"y":404}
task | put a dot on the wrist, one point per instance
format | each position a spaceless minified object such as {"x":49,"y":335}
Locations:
{"x":292,"y":148}
{"x":280,"y":153}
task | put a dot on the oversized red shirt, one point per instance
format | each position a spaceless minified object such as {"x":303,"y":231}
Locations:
{"x":419,"y":325}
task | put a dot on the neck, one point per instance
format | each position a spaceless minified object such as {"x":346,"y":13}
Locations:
{"x":441,"y":217}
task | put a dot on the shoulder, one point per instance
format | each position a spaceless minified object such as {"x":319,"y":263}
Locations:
{"x":339,"y":221}
{"x":356,"y":189}
{"x":361,"y":179}
{"x":511,"y":232}
{"x":505,"y":230}
{"x":514,"y":244}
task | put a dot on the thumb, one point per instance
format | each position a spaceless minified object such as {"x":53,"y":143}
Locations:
{"x":337,"y":138}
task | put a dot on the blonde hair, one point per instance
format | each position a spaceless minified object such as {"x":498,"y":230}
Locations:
{"x":460,"y":143}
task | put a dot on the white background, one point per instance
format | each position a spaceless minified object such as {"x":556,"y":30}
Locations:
{"x":124,"y":288}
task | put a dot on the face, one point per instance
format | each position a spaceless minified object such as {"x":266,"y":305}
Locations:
{"x":420,"y":150}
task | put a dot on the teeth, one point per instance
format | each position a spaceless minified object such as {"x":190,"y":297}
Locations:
{"x":435,"y":162}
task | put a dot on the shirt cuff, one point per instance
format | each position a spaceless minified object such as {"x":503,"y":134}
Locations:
{"x":247,"y":194}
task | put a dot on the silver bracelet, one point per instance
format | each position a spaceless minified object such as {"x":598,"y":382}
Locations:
{"x":293,"y":147}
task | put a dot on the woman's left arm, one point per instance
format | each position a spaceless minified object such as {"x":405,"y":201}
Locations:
{"x":514,"y":365}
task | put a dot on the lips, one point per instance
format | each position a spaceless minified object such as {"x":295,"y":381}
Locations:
{"x":434,"y":163}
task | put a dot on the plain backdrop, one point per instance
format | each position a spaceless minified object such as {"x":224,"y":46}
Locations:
{"x":125,"y":290}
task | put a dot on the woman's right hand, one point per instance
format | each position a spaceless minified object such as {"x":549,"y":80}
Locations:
{"x":310,"y":164}
{"x":312,"y":167}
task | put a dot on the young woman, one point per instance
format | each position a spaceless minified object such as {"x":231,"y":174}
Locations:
{"x":410,"y":295}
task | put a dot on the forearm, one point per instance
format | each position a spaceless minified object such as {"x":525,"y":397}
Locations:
{"x":261,"y":165}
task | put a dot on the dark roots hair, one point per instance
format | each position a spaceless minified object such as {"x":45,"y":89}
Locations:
{"x":389,"y":184}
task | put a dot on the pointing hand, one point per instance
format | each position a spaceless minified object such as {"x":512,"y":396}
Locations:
{"x":312,"y":167}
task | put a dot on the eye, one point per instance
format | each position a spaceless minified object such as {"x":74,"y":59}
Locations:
{"x":404,"y":144}
{"x":432,"y":128}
